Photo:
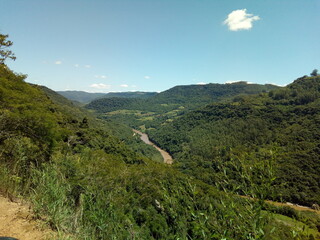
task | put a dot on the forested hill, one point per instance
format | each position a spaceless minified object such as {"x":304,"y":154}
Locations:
{"x":171,"y":104}
{"x":275,"y":134}
{"x":136,"y":94}
{"x":87,"y":184}
{"x":186,"y":97}
{"x":86,"y":97}
{"x":201,"y":94}
{"x":81,"y":96}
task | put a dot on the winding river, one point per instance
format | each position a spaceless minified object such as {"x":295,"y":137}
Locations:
{"x":165,"y":155}
{"x":168,"y":160}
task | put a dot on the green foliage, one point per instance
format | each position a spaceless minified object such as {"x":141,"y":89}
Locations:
{"x":137,"y":94}
{"x":86,"y":97}
{"x":314,"y":73}
{"x":168,"y":105}
{"x":4,"y":52}
{"x":87,"y":183}
{"x":249,"y":132}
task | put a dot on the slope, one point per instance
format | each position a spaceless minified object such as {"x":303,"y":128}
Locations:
{"x":16,"y":221}
{"x":81,"y":96}
{"x":86,"y":97}
{"x":86,"y":182}
{"x":273,"y":135}
{"x":170,"y":104}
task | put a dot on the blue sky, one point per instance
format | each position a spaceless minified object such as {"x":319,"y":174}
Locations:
{"x":153,"y":45}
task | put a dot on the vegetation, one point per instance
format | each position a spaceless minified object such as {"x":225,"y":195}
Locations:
{"x":4,"y":51}
{"x":86,"y":97}
{"x":90,"y":184}
{"x":273,"y":133}
{"x":81,"y":96}
{"x":168,"y":105}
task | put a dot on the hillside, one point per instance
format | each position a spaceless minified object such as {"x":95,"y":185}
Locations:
{"x":123,"y":132}
{"x":198,"y":95}
{"x":170,"y":104}
{"x":87,"y":183}
{"x":81,"y":96}
{"x":274,"y":135}
{"x":136,"y":94}
{"x":86,"y":97}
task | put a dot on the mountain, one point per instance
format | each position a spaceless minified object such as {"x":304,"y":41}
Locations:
{"x":136,"y":94}
{"x":198,"y":95}
{"x":170,"y":104}
{"x":81,"y":96}
{"x":86,"y":97}
{"x":274,"y":135}
{"x":89,"y":184}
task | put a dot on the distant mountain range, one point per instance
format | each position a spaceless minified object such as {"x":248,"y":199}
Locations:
{"x":187,"y":97}
{"x":86,"y":97}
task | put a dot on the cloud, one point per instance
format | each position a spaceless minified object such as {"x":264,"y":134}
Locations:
{"x":147,"y":77}
{"x":201,"y":83}
{"x":87,"y":66}
{"x":100,"y":86}
{"x":240,"y":20}
{"x":76,"y":65}
{"x":58,"y":62}
{"x":124,"y":85}
{"x":100,"y":76}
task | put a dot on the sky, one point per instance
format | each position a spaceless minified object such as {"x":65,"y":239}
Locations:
{"x":153,"y":45}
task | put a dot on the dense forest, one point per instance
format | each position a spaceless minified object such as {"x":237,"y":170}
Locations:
{"x":86,"y":97}
{"x":170,"y":104}
{"x":275,"y":133}
{"x":85,"y":179}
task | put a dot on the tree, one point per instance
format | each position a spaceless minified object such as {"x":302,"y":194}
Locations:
{"x":4,"y":52}
{"x":314,"y":73}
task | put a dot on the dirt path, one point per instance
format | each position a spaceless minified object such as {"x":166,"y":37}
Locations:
{"x":165,"y":155}
{"x":294,"y":206}
{"x":16,"y":222}
{"x":287,"y":204}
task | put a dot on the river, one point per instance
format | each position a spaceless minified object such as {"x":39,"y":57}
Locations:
{"x":165,"y":155}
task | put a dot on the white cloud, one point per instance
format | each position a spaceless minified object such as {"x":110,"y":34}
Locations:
{"x":201,"y":83}
{"x":76,"y":65}
{"x":240,"y":20}
{"x":100,"y":86}
{"x":147,"y":77}
{"x":124,"y":85}
{"x":58,"y":62}
{"x":87,"y":66}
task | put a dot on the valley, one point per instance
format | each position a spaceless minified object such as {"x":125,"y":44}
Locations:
{"x":169,"y":165}
{"x":144,"y":137}
{"x":159,"y":120}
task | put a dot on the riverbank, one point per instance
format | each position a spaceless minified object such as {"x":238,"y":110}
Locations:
{"x":145,"y":138}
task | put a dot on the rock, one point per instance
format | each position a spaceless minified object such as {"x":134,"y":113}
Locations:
{"x":315,"y":207}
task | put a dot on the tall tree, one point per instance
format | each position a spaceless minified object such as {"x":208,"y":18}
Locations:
{"x":4,"y":51}
{"x":314,"y":73}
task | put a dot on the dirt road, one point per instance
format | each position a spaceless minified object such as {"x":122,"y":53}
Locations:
{"x":16,"y":222}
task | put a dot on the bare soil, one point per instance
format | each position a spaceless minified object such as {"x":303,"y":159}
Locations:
{"x":16,"y":221}
{"x":294,"y":206}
